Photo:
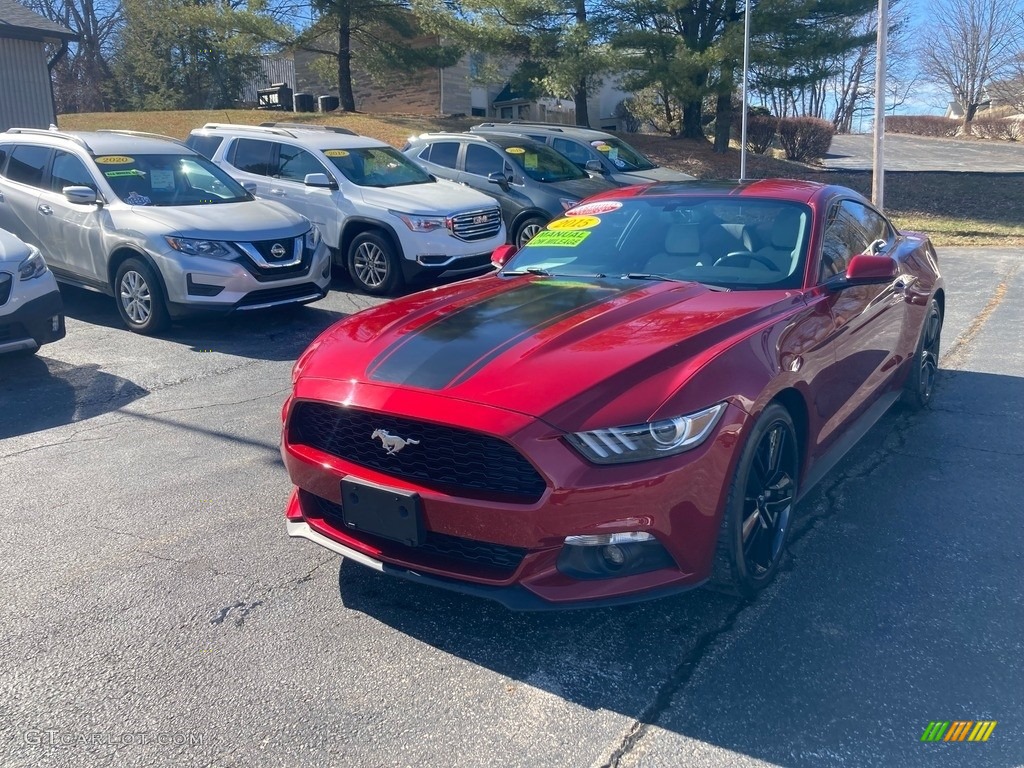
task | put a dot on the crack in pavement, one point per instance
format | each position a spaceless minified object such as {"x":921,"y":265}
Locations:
{"x":241,"y":609}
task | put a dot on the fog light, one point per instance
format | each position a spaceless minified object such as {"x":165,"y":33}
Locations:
{"x":610,"y":555}
{"x":614,"y":555}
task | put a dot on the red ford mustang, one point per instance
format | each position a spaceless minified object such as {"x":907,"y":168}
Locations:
{"x":631,"y":406}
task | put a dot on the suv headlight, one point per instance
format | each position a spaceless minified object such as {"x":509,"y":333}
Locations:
{"x":567,"y":203}
{"x":420,"y":223}
{"x":33,"y":266}
{"x":312,"y":241}
{"x":665,"y":437}
{"x":211,"y":248}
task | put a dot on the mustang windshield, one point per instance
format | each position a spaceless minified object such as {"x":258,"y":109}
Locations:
{"x":377,"y":167}
{"x":169,"y":180}
{"x":732,"y":242}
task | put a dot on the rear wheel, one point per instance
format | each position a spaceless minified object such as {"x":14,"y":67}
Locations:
{"x":527,"y":230}
{"x":917,"y":392}
{"x":140,"y":298}
{"x":373,"y":264}
{"x":758,"y":513}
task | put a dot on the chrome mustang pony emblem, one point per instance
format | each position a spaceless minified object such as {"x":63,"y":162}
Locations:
{"x":391,"y":443}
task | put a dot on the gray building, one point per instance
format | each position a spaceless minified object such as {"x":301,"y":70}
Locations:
{"x":26,"y":90}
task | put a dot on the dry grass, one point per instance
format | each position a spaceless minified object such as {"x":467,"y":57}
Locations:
{"x":970,"y":209}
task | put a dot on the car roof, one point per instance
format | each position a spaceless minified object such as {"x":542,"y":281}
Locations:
{"x":502,"y":140}
{"x":794,"y":190}
{"x":572,"y":131}
{"x":102,"y":142}
{"x":313,"y":136}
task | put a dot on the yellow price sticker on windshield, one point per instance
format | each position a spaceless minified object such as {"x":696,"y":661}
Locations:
{"x":115,"y":160}
{"x":336,"y":153}
{"x":558,"y":239}
{"x":516,"y":151}
{"x":576,"y":222}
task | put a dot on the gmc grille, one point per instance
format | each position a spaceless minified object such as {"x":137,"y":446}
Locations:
{"x":448,"y":459}
{"x":477,"y":225}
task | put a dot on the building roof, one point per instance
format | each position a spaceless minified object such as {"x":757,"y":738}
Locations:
{"x":18,"y":21}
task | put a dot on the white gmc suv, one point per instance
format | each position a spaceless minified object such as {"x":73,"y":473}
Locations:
{"x":385,"y":218}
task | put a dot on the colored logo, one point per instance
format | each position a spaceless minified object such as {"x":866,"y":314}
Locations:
{"x":558,"y":239}
{"x":593,"y":209}
{"x":576,"y":222}
{"x":115,"y":160}
{"x":959,"y":730}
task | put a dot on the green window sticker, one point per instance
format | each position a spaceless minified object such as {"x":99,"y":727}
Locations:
{"x":558,"y":239}
{"x":118,"y":174}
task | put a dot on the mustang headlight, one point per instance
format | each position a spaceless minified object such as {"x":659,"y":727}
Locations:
{"x":33,"y":266}
{"x":640,"y":442}
{"x":312,"y":238}
{"x":421,"y":223}
{"x":212,"y":248}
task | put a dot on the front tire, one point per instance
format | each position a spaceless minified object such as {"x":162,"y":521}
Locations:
{"x":759,"y":511}
{"x":917,"y":392}
{"x":140,"y":298}
{"x":373,"y":264}
{"x":527,"y":230}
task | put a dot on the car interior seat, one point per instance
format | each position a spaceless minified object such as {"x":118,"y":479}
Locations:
{"x":681,"y":249}
{"x":785,"y":236}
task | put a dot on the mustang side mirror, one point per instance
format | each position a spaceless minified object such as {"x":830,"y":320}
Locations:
{"x":319,"y":180}
{"x":865,"y":270}
{"x":501,"y":255}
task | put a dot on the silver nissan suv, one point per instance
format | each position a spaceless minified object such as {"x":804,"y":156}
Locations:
{"x":147,"y":220}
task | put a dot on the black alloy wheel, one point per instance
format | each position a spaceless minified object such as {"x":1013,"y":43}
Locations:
{"x":759,"y":512}
{"x":920,"y":384}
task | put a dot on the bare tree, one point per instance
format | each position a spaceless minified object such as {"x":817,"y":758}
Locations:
{"x":973,"y":42}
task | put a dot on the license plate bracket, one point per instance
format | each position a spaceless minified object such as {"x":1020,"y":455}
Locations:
{"x":384,"y":512}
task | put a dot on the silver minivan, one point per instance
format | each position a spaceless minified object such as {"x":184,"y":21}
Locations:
{"x":156,"y":225}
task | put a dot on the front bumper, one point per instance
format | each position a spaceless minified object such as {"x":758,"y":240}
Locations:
{"x":677,"y":499}
{"x":32,"y":323}
{"x":429,"y":268}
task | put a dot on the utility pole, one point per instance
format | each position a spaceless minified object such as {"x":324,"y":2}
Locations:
{"x":746,"y":66}
{"x":878,"y":165}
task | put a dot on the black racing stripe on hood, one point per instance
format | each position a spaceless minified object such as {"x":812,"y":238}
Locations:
{"x":456,"y":346}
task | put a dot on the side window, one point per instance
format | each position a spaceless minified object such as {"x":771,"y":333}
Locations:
{"x":252,"y":156}
{"x":27,"y":163}
{"x":294,"y":163}
{"x":578,"y":154}
{"x":843,"y":239}
{"x":483,"y":161}
{"x":444,"y":153}
{"x":69,"y":171}
{"x":873,"y":223}
{"x":205,"y":145}
{"x":5,"y":151}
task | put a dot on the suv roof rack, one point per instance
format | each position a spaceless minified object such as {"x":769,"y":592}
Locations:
{"x":559,"y":127}
{"x":142,"y":134}
{"x":52,"y":131}
{"x":304,"y":127}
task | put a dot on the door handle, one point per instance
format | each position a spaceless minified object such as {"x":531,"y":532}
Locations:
{"x":276,"y":191}
{"x":45,"y":210}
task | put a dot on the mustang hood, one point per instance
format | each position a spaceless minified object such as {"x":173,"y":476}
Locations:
{"x":569,"y":351}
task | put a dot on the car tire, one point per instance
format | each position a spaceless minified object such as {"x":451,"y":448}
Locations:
{"x":759,"y":511}
{"x":917,"y":392}
{"x":529,"y":228}
{"x":140,"y":298}
{"x":373,"y":264}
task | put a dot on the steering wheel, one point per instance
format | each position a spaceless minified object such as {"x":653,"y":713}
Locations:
{"x":737,"y":255}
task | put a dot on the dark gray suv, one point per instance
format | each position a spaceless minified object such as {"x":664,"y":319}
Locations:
{"x":530,"y":181}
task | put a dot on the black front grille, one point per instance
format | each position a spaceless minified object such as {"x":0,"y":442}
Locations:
{"x":289,"y":293}
{"x":448,"y":459}
{"x":477,"y":225}
{"x":13,"y":332}
{"x":6,"y":282}
{"x":265,"y":249}
{"x":499,"y":558}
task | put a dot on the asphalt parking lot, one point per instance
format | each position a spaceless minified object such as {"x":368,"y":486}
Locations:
{"x":155,"y":612}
